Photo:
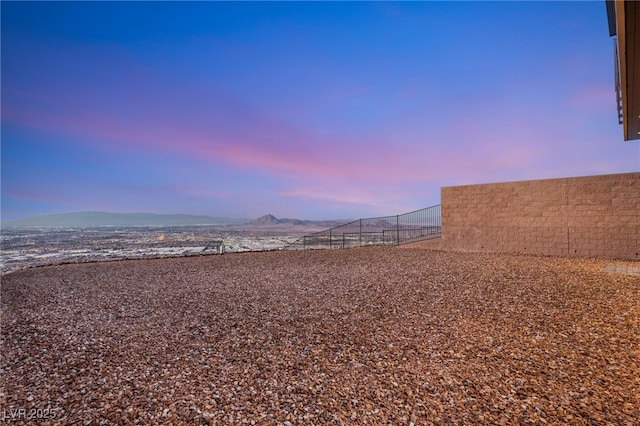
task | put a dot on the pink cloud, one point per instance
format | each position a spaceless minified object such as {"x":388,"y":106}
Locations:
{"x":260,"y":142}
{"x":323,"y":194}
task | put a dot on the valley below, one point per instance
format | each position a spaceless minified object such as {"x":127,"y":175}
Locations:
{"x":39,"y":246}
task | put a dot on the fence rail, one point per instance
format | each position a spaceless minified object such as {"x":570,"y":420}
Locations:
{"x":404,"y":228}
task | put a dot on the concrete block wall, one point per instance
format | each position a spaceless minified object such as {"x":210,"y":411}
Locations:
{"x":584,"y":216}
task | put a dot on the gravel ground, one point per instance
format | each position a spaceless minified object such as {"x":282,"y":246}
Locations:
{"x":360,"y":336}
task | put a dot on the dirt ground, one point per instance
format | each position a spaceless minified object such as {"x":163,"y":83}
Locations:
{"x":369,"y":336}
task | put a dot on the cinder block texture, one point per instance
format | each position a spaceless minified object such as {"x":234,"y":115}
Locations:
{"x":595,"y":216}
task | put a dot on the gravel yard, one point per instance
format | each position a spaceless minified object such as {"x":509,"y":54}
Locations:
{"x":370,"y":336}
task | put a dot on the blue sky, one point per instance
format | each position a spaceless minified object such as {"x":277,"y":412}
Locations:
{"x":310,"y":110}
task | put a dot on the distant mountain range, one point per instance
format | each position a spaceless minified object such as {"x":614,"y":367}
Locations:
{"x":96,"y":219}
{"x":93,"y":219}
{"x":270,"y":219}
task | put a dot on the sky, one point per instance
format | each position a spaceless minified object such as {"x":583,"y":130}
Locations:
{"x":323,"y":110}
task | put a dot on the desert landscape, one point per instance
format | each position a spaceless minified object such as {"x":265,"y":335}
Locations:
{"x":366,"y":336}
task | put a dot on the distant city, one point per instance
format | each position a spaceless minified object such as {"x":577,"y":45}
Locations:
{"x":100,"y":236}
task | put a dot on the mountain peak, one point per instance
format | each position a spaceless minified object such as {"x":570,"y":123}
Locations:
{"x":267,"y":219}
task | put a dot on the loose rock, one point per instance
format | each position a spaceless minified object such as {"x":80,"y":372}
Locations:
{"x":358,"y":336}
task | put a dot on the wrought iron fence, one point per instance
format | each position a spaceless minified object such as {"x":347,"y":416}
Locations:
{"x":404,"y":228}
